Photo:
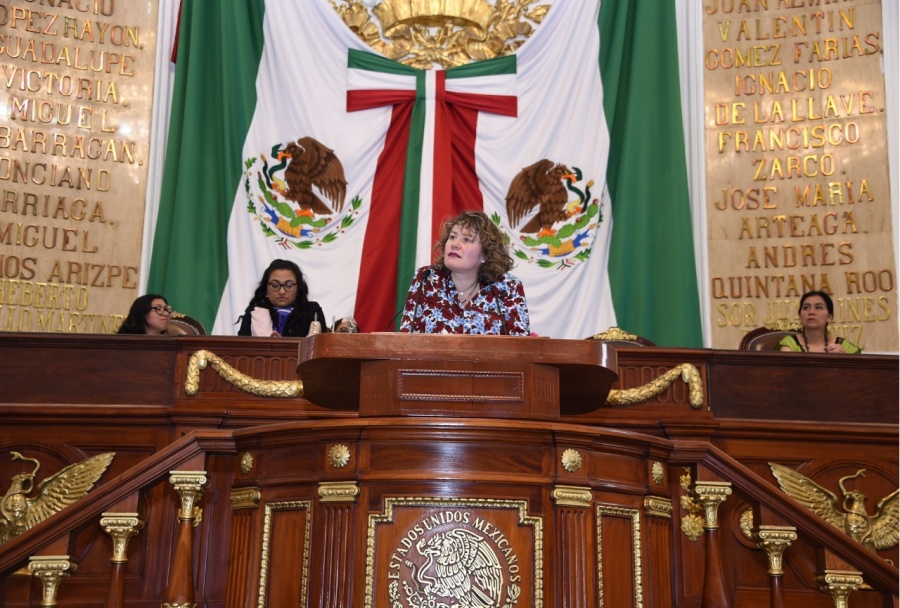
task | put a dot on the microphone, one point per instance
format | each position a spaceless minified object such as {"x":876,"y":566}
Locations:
{"x":500,"y":310}
{"x":390,"y":325}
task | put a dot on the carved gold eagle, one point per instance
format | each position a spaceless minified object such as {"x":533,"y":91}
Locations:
{"x":21,"y":513}
{"x":875,"y":532}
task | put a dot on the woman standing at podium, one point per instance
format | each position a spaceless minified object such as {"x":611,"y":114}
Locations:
{"x":468,"y":289}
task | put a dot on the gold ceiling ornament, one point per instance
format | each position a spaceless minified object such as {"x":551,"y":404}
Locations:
{"x":688,"y":373}
{"x":876,"y":532}
{"x":263,"y":388}
{"x":446,"y":33}
{"x":55,"y":493}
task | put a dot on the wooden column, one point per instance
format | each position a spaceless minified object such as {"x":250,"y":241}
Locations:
{"x":711,"y":494}
{"x":658,"y":566}
{"x":573,"y":536}
{"x":51,"y":569}
{"x":121,"y":526}
{"x":241,"y":553}
{"x":775,"y":539}
{"x":180,"y":590}
{"x":338,"y":501}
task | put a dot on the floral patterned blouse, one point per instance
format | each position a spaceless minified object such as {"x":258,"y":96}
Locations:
{"x":433,"y":306}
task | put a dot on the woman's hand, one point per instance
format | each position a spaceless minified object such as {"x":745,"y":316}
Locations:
{"x":834,"y":347}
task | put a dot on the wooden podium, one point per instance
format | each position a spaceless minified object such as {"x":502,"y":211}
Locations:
{"x":391,"y":374}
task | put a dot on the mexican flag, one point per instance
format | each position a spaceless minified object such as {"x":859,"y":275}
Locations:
{"x":295,"y":139}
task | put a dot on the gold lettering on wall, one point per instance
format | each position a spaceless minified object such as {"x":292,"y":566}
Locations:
{"x":74,"y":141}
{"x":797,"y":167}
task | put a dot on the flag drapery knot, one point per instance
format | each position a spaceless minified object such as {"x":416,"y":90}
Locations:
{"x":450,"y":100}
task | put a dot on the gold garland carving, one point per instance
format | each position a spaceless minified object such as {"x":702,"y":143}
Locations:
{"x":247,"y":384}
{"x":688,"y":373}
{"x":424,"y":33}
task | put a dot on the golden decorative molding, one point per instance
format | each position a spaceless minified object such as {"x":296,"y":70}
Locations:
{"x":876,"y":532}
{"x":245,"y":498}
{"x":262,"y":388}
{"x":688,"y":373}
{"x":184,"y":605}
{"x":271,"y":507}
{"x":338,"y":455}
{"x":51,"y":569}
{"x":121,"y":526}
{"x":571,"y":460}
{"x":710,"y":495}
{"x":637,"y":568}
{"x":446,"y":33}
{"x":692,"y":522}
{"x":20,"y":512}
{"x":190,"y":486}
{"x":338,"y":491}
{"x":657,"y":472}
{"x":246,"y":463}
{"x":658,"y":506}
{"x":775,"y":539}
{"x":615,"y":334}
{"x":783,"y":325}
{"x":572,"y":496}
{"x":840,"y":584}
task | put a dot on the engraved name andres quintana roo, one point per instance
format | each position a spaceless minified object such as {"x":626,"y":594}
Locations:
{"x":451,"y":559}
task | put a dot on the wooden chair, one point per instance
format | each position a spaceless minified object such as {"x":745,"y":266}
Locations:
{"x":768,"y":336}
{"x":620,"y":337}
{"x":182,"y":325}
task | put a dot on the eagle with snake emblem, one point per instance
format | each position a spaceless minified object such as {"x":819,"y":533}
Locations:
{"x":459,"y":565}
{"x":539,"y":185}
{"x":876,"y":532}
{"x":21,"y":513}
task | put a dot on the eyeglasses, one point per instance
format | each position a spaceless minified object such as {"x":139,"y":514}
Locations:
{"x":288,"y":286}
{"x":162,"y":310}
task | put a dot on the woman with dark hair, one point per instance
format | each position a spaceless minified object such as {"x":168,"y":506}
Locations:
{"x":468,"y":289}
{"x":280,"y":306}
{"x":149,"y":315}
{"x":816,"y":311}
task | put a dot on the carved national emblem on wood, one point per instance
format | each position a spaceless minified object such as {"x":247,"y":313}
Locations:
{"x":21,"y":513}
{"x":876,"y":532}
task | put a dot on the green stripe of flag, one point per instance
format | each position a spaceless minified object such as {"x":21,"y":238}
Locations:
{"x":219,"y":49}
{"x":651,"y":267}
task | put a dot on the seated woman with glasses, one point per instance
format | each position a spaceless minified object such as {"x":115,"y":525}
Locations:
{"x":149,"y":315}
{"x":280,"y":306}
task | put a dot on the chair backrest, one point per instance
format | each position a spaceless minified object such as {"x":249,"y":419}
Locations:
{"x":183,"y":325}
{"x":768,"y":336}
{"x":620,"y":337}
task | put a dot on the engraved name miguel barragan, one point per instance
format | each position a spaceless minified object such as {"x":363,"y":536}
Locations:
{"x":453,"y":558}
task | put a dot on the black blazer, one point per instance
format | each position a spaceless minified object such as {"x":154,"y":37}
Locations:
{"x":297,"y":324}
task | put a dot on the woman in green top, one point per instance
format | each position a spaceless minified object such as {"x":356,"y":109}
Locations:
{"x":816,"y":311}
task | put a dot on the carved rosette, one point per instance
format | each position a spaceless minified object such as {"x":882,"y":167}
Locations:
{"x":190,"y":486}
{"x":121,"y":526}
{"x":338,"y":455}
{"x":775,"y":539}
{"x":657,"y":472}
{"x":246,"y":463}
{"x":840,"y":584}
{"x":51,"y":569}
{"x":571,"y":460}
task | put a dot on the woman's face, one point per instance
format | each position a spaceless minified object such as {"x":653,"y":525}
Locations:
{"x":282,"y":288}
{"x":463,"y":251}
{"x":157,"y":320}
{"x":814,"y":313}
